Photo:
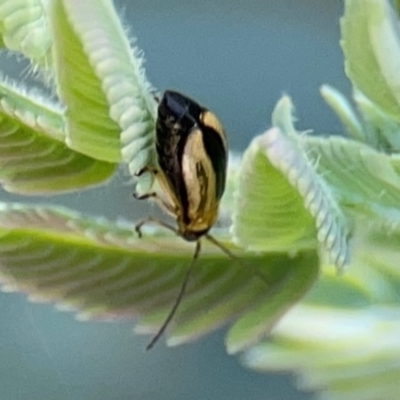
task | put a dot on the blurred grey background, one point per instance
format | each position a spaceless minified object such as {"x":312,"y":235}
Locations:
{"x":237,"y":58}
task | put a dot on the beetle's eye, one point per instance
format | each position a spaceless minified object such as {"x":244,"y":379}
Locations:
{"x":172,"y":118}
{"x":165,"y":115}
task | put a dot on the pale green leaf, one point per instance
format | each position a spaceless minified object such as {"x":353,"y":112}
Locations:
{"x":344,"y":110}
{"x":269,"y":214}
{"x":343,"y":340}
{"x":364,"y":180}
{"x":102,"y":81}
{"x":228,"y":201}
{"x":104,"y":270}
{"x":24,"y":28}
{"x":296,"y":282}
{"x":344,"y":353}
{"x":371,"y":44}
{"x":353,"y":291}
{"x":33,"y":157}
{"x":32,"y":109}
{"x":120,"y":69}
{"x":282,"y":203}
{"x":90,"y":129}
{"x":377,"y":260}
{"x":381,"y":129}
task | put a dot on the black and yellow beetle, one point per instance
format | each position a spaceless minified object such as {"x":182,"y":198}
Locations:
{"x":192,"y":156}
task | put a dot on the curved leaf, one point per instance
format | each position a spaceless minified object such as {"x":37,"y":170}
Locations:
{"x":33,"y":157}
{"x":24,"y":28}
{"x":102,"y":81}
{"x":32,"y":109}
{"x":120,"y":70}
{"x":363,"y":179}
{"x":90,"y":130}
{"x":343,"y":340}
{"x":382,"y":130}
{"x":371,"y":44}
{"x":269,"y":214}
{"x":345,"y":354}
{"x":377,"y":261}
{"x":104,"y":271}
{"x":342,"y":107}
{"x":282,"y":203}
{"x":227,"y":205}
{"x":295,"y":283}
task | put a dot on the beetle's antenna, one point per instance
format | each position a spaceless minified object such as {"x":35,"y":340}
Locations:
{"x":225,"y":250}
{"x":221,"y":247}
{"x":178,"y":298}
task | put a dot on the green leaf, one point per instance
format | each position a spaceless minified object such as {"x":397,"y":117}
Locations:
{"x":33,"y":157}
{"x":269,"y":214}
{"x":90,"y":130}
{"x":343,"y":338}
{"x":364,"y":180}
{"x":378,"y":261}
{"x":282,"y":203}
{"x":345,"y":354}
{"x":101,"y":80}
{"x":24,"y":28}
{"x":103,"y":270}
{"x":342,"y":107}
{"x":353,"y":291}
{"x":120,"y":69}
{"x":32,"y":109}
{"x":382,"y":130}
{"x":371,"y":44}
{"x":301,"y":271}
{"x":227,"y":205}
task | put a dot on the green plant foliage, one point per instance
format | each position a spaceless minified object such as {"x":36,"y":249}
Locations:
{"x":282,"y":203}
{"x":364,"y":180}
{"x":103,"y":270}
{"x":24,"y":28}
{"x":371,"y":44}
{"x":33,"y":158}
{"x":381,"y":129}
{"x":295,"y":207}
{"x":344,"y":110}
{"x":348,"y":354}
{"x":101,"y":83}
{"x":90,"y":128}
{"x":343,"y":339}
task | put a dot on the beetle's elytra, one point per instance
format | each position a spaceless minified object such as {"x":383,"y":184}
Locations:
{"x":192,"y":154}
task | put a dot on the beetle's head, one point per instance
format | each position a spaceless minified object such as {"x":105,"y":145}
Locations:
{"x":193,"y":236}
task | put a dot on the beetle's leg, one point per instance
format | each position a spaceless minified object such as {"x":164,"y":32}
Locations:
{"x":140,"y":173}
{"x":145,"y":196}
{"x":138,"y":226}
{"x":146,"y":169}
{"x":155,"y":196}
